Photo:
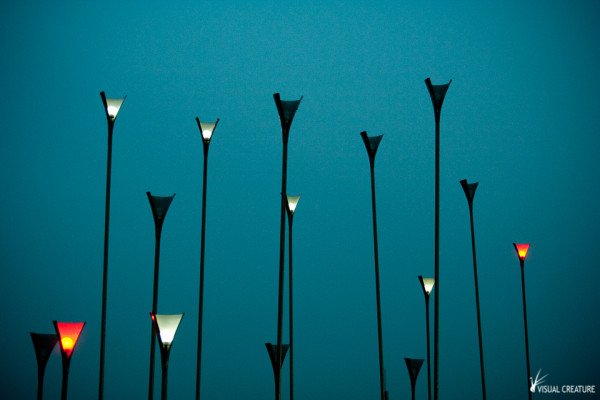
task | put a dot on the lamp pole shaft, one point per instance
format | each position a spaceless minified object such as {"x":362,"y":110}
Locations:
{"x":290,"y":221}
{"x":105,"y":263}
{"x":201,"y":296}
{"x":428,"y":350}
{"x":40,"y":387}
{"x":436,"y":262}
{"x":65,"y":378}
{"x":165,"y":376}
{"x":477,"y":302}
{"x":377,"y":290}
{"x":281,"y":268}
{"x":526,"y":331}
{"x":154,"y":310}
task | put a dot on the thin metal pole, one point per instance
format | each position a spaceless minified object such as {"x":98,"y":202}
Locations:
{"x":522,"y":262}
{"x":436,"y":262}
{"x":40,"y":388}
{"x":290,"y":221}
{"x":477,"y":302}
{"x":105,"y":264}
{"x":202,"y":251}
{"x":154,"y":308}
{"x":65,"y":378}
{"x":281,"y":267}
{"x":165,"y":376}
{"x":428,"y":350}
{"x":377,"y":290}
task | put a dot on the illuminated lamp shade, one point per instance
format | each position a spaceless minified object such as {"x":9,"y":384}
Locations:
{"x":207,"y":128}
{"x":522,"y":250}
{"x":68,"y":333}
{"x":112,"y":105}
{"x":166,"y":325}
{"x":292,"y":202}
{"x":427,"y":284}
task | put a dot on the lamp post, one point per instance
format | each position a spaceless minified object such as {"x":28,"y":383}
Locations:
{"x":437,"y":94}
{"x":160,"y":206}
{"x":68,"y":333}
{"x":427,"y":286}
{"x":469,"y":189}
{"x":286,"y":110}
{"x":522,"y":250}
{"x":111,"y":107}
{"x":414,"y":366}
{"x":274,"y":356}
{"x":292,"y":202}
{"x":371,"y":144}
{"x":43,"y":343}
{"x":206,"y":129}
{"x":166,"y":326}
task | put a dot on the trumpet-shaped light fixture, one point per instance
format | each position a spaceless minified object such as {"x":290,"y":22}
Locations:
{"x":43,"y":343}
{"x":207,"y":128}
{"x":166,"y":326}
{"x":112,"y":106}
{"x":287,"y":110}
{"x":68,"y":334}
{"x":521,"y":249}
{"x":427,"y":285}
{"x":292,"y":202}
{"x":414,"y":366}
{"x":272,"y":350}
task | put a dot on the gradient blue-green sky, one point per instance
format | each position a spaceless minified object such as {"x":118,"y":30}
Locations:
{"x":521,"y":117}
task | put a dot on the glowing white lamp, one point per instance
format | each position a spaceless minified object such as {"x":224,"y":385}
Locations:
{"x":207,"y":129}
{"x":166,"y":325}
{"x":292,"y":202}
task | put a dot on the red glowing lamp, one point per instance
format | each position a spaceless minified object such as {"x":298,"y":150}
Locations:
{"x":68,"y":333}
{"x":522,"y":250}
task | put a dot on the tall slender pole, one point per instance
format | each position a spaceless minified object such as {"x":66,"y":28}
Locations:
{"x":428,"y":349}
{"x":160,"y":206}
{"x":65,"y":378}
{"x":206,"y":136}
{"x":165,"y":373}
{"x":437,"y":93}
{"x":372,"y":144}
{"x":522,"y":263}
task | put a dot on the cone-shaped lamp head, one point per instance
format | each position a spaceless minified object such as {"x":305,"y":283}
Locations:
{"x":414,"y":366}
{"x":207,"y":129}
{"x":286,"y":109}
{"x":427,"y":285}
{"x":272,"y":350}
{"x":469,"y":189}
{"x":521,"y":250}
{"x":112,"y":106}
{"x":68,"y":334}
{"x":371,"y":143}
{"x":292,"y":202}
{"x":166,"y":327}
{"x":43,"y":343}
{"x":160,"y":206}
{"x":437,"y":93}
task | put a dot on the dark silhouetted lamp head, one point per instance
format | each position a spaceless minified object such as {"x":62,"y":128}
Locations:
{"x":469,"y":189}
{"x":286,"y":109}
{"x":43,"y":344}
{"x":160,"y":206}
{"x":371,"y":144}
{"x":112,"y":106}
{"x":272,"y":350}
{"x":521,"y":250}
{"x":437,"y":94}
{"x":207,"y":129}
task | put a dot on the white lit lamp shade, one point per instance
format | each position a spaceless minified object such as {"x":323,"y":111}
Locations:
{"x":427,"y":284}
{"x":207,"y":129}
{"x":113,"y":106}
{"x":292,"y":202}
{"x":166,"y":327}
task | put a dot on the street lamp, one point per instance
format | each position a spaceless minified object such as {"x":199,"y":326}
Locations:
{"x":437,"y":94}
{"x":206,"y":129}
{"x":286,"y":110}
{"x":166,"y":326}
{"x":292,"y":202}
{"x":111,"y":108}
{"x":469,"y":189}
{"x":43,"y":343}
{"x":160,"y":206}
{"x":427,"y":286}
{"x":414,"y":366}
{"x":371,"y":144}
{"x":273,"y":356}
{"x":522,"y":250}
{"x":68,"y":334}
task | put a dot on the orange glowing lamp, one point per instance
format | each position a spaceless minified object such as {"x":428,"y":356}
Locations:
{"x":68,"y":332}
{"x":522,"y":250}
